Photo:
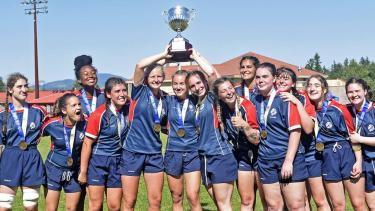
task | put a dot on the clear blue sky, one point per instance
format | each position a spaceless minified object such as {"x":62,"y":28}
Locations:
{"x":117,"y":33}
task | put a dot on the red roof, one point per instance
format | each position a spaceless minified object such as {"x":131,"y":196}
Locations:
{"x":231,"y":67}
{"x":45,"y":97}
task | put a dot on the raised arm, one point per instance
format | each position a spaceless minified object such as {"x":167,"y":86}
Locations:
{"x":143,"y":63}
{"x":207,"y":67}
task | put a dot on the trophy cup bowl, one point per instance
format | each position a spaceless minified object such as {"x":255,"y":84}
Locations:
{"x":178,"y":19}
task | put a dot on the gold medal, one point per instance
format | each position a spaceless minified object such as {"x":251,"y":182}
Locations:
{"x":263,"y":134}
{"x":69,"y":161}
{"x":23,"y":145}
{"x":181,"y":132}
{"x":319,"y":146}
{"x":157,"y":128}
{"x":198,"y":131}
{"x":356,"y":147}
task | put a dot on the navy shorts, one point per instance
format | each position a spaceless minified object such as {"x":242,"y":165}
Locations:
{"x":58,"y":178}
{"x":218,"y":169}
{"x":369,"y":170}
{"x":132,"y":163}
{"x":314,"y":168}
{"x":21,"y":168}
{"x":338,"y":161}
{"x":104,"y":171}
{"x":270,"y":170}
{"x":245,"y":163}
{"x":178,"y":163}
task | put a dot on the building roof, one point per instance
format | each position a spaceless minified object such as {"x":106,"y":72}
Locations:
{"x":45,"y":97}
{"x":231,"y":67}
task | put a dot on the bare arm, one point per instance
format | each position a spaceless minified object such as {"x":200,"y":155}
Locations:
{"x":85,"y":157}
{"x":294,"y":139}
{"x":251,"y":134}
{"x":143,"y":63}
{"x":355,"y":138}
{"x":207,"y":67}
{"x":307,"y":122}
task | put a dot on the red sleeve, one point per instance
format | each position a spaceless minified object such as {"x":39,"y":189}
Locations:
{"x":309,"y":107}
{"x":93,"y":124}
{"x":43,"y":111}
{"x":348,"y":119}
{"x":251,"y":115}
{"x":294,"y":119}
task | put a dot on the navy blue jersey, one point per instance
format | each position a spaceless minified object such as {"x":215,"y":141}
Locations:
{"x":336,"y":125}
{"x":100,"y":100}
{"x":58,"y":154}
{"x":237,"y":137}
{"x":36,"y":117}
{"x":104,"y":127}
{"x":243,"y":91}
{"x":141,"y":137}
{"x":367,"y":128}
{"x":308,"y":141}
{"x":212,"y":141}
{"x":283,"y":117}
{"x":189,"y":142}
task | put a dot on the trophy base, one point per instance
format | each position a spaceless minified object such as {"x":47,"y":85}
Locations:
{"x":180,"y":49}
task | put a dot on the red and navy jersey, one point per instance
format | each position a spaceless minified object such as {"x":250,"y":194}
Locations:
{"x":237,"y":137}
{"x":308,"y":140}
{"x":100,"y":100}
{"x":36,"y":116}
{"x":337,"y":123}
{"x":189,"y":142}
{"x":283,"y":117}
{"x":211,"y":140}
{"x":141,"y":137}
{"x":240,"y":90}
{"x":367,"y":129}
{"x":103,"y":127}
{"x":58,"y":155}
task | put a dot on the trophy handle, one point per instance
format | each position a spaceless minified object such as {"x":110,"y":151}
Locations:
{"x":192,"y":13}
{"x":165,"y":15}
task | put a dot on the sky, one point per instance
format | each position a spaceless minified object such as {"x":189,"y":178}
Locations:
{"x":118,"y":33}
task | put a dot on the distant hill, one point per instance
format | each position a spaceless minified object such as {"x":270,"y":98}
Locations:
{"x":67,"y":84}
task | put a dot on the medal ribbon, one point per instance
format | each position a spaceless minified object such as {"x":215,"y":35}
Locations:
{"x":157,"y":110}
{"x":69,"y":142}
{"x":197,"y":111}
{"x":119,"y":119}
{"x":359,"y":121}
{"x":317,"y":125}
{"x":182,"y":114}
{"x":86,"y":101}
{"x":264,"y":113}
{"x":20,"y":127}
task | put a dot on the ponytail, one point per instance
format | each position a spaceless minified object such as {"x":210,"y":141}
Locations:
{"x":5,"y":119}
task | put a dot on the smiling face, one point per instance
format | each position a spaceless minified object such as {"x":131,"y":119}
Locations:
{"x":179,"y":86}
{"x":19,"y":90}
{"x":284,"y":82}
{"x":196,"y":86}
{"x":247,"y":70}
{"x":88,"y":76}
{"x":72,"y":109}
{"x":118,"y":95}
{"x":356,"y":94}
{"x":264,"y":80}
{"x":315,"y":90}
{"x":227,"y":93}
{"x":155,"y":78}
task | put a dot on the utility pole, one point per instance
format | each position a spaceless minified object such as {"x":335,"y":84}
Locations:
{"x":32,"y":9}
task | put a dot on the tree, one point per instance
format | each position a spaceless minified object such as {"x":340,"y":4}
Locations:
{"x":2,"y":85}
{"x":315,"y":64}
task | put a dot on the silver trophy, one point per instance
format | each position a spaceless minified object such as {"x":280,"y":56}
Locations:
{"x":178,"y":18}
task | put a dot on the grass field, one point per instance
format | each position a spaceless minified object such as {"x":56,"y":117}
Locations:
{"x":206,"y":201}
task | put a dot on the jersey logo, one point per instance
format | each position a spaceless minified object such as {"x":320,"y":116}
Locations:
{"x":81,"y":135}
{"x":32,"y":125}
{"x":191,"y":107}
{"x":273,"y":112}
{"x":329,"y":125}
{"x":371,"y":128}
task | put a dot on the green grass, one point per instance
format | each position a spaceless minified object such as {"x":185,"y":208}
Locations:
{"x":206,"y":201}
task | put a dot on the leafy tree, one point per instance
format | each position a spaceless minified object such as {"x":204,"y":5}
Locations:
{"x":315,"y":64}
